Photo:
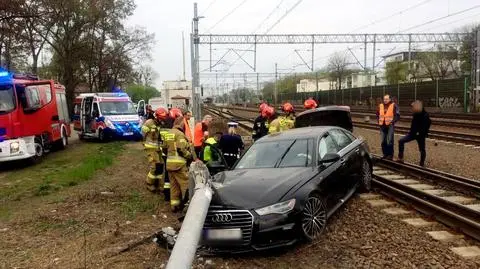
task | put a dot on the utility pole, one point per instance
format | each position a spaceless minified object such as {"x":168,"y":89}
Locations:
{"x":275,"y":90}
{"x":183,"y":52}
{"x":409,"y":55}
{"x":476,"y":69}
{"x":195,"y":65}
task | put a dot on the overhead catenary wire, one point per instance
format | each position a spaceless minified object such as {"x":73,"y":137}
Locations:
{"x":227,"y":15}
{"x":208,"y":7}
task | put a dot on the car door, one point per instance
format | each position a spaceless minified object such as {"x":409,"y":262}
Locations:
{"x":348,"y":152}
{"x":330,"y":171}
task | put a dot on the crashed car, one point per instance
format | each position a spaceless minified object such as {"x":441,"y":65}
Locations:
{"x":325,"y":116}
{"x":285,"y":188}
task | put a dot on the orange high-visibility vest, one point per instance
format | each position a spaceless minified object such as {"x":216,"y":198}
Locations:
{"x":188,"y":131}
{"x":385,"y":117}
{"x":198,"y":135}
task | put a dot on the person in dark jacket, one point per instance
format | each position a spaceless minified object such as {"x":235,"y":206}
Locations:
{"x":260,"y":125}
{"x":418,"y":131}
{"x":231,"y":144}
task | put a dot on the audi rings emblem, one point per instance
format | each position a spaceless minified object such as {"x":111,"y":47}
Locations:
{"x":222,"y":217}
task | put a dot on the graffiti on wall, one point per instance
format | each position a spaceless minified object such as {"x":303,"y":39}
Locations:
{"x":449,"y":102}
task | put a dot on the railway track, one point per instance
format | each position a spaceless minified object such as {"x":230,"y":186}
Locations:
{"x":450,"y":199}
{"x":455,"y":137}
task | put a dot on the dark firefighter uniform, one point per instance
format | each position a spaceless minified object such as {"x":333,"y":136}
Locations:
{"x":260,"y":128}
{"x":179,"y":153}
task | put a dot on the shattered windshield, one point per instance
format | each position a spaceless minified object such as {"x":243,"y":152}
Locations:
{"x":7,"y":98}
{"x":117,"y":108}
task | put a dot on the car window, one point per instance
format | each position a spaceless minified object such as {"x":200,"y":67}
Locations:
{"x":341,"y":138}
{"x":298,"y":155}
{"x":350,"y":135}
{"x":264,"y":155}
{"x":326,"y":145}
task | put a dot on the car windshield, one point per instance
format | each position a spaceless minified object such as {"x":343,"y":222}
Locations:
{"x":117,"y":108}
{"x":284,"y":153}
{"x":7,"y":98}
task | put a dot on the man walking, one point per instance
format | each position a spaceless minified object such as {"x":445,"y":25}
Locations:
{"x":200,"y":133}
{"x":418,"y":131}
{"x":388,"y":114}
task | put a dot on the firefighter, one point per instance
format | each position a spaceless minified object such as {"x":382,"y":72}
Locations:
{"x":260,"y":125}
{"x":179,"y":155}
{"x":283,"y":122}
{"x":153,"y":147}
{"x":309,"y":104}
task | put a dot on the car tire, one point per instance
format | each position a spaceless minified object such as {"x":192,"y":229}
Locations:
{"x":63,"y":142}
{"x":101,"y":136}
{"x":314,"y":217}
{"x":366,"y":177}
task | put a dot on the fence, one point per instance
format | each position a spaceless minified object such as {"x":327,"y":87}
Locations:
{"x":446,"y":95}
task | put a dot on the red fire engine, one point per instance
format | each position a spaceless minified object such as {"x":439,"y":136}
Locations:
{"x":33,"y":117}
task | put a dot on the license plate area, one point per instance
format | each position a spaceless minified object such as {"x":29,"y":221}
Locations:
{"x":222,"y":236}
{"x":127,"y":133}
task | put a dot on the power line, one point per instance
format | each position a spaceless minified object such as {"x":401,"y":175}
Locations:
{"x":392,"y":15}
{"x":227,"y":15}
{"x":208,"y":7}
{"x":268,"y":16}
{"x":451,"y":22}
{"x":441,"y":18}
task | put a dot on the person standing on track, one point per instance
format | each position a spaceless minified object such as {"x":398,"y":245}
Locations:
{"x":387,"y":114}
{"x":419,"y":129}
{"x":260,"y":128}
{"x":231,"y":144}
{"x":179,"y":155}
{"x":200,"y":134}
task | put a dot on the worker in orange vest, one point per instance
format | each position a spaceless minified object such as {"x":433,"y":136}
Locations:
{"x":187,"y":115}
{"x":387,"y":114}
{"x":200,"y":133}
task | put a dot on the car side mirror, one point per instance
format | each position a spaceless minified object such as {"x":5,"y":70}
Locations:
{"x":329,"y":158}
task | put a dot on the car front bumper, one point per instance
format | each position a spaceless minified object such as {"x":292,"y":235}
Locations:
{"x":26,"y":149}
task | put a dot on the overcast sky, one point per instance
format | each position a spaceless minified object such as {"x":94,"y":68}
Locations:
{"x":167,"y":19}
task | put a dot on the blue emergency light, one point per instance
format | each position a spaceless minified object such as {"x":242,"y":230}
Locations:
{"x":5,"y":76}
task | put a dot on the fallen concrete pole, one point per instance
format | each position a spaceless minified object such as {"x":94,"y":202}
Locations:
{"x":185,"y":247}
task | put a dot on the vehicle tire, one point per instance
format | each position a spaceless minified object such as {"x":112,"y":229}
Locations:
{"x":366,"y":177}
{"x":39,"y":150}
{"x":101,"y":136}
{"x":63,"y":143}
{"x":80,"y":136}
{"x":314,"y":217}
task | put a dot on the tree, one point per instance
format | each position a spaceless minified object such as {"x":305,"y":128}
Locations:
{"x":338,"y":67}
{"x":141,"y":92}
{"x":465,"y":51}
{"x":396,"y":72}
{"x":438,"y":64}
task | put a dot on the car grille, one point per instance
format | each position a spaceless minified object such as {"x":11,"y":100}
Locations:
{"x":242,"y":219}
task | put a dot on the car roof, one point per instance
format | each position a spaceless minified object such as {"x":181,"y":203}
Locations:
{"x":296,"y":133}
{"x":325,"y":108}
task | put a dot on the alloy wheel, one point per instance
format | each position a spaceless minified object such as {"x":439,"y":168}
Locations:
{"x":366,"y":176}
{"x":314,"y":218}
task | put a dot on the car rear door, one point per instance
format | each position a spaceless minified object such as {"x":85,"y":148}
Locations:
{"x":331,"y":184}
{"x":348,"y":152}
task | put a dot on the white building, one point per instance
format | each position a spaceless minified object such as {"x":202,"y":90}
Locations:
{"x":308,"y":85}
{"x":178,"y":93}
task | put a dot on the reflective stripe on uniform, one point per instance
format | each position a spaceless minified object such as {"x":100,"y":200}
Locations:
{"x":174,"y":202}
{"x":152,"y":176}
{"x":231,"y":154}
{"x":145,"y":129}
{"x":150,"y":145}
{"x":166,"y":185}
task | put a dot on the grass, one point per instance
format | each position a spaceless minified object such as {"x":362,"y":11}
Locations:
{"x":135,"y":203}
{"x":59,"y":170}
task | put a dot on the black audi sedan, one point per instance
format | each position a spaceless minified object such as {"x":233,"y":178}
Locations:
{"x":285,"y":188}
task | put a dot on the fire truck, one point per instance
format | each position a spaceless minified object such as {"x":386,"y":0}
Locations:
{"x":106,"y":116}
{"x":33,"y":117}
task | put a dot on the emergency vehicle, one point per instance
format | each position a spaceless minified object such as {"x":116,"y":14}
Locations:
{"x":106,"y":116}
{"x":33,"y":116}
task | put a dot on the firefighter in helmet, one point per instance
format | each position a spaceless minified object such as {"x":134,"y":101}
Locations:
{"x":309,"y":104}
{"x":283,"y":122}
{"x":260,"y":125}
{"x":153,"y":147}
{"x":179,"y":155}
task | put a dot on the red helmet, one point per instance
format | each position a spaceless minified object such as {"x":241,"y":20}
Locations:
{"x":288,"y":108}
{"x":310,"y":104}
{"x":262,"y":106}
{"x":161,"y":114}
{"x":175,"y":113}
{"x":268,"y":112}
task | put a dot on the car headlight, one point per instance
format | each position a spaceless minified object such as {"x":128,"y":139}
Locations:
{"x":109,"y":124}
{"x":14,"y":147}
{"x":278,"y":208}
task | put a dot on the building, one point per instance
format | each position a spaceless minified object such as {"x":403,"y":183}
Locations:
{"x":308,"y":85}
{"x":177,"y":93}
{"x":427,"y":65}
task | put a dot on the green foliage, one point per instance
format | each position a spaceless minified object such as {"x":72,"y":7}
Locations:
{"x":396,"y":72}
{"x":288,"y":84}
{"x":135,"y":203}
{"x":465,"y":51}
{"x":140,"y":92}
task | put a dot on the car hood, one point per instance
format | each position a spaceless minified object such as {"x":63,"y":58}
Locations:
{"x":255,"y":188}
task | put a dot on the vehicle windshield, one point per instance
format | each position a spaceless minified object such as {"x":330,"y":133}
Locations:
{"x":7,"y":98}
{"x":117,"y":108}
{"x":284,"y":153}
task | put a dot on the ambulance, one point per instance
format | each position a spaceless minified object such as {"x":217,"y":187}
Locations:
{"x":106,"y":116}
